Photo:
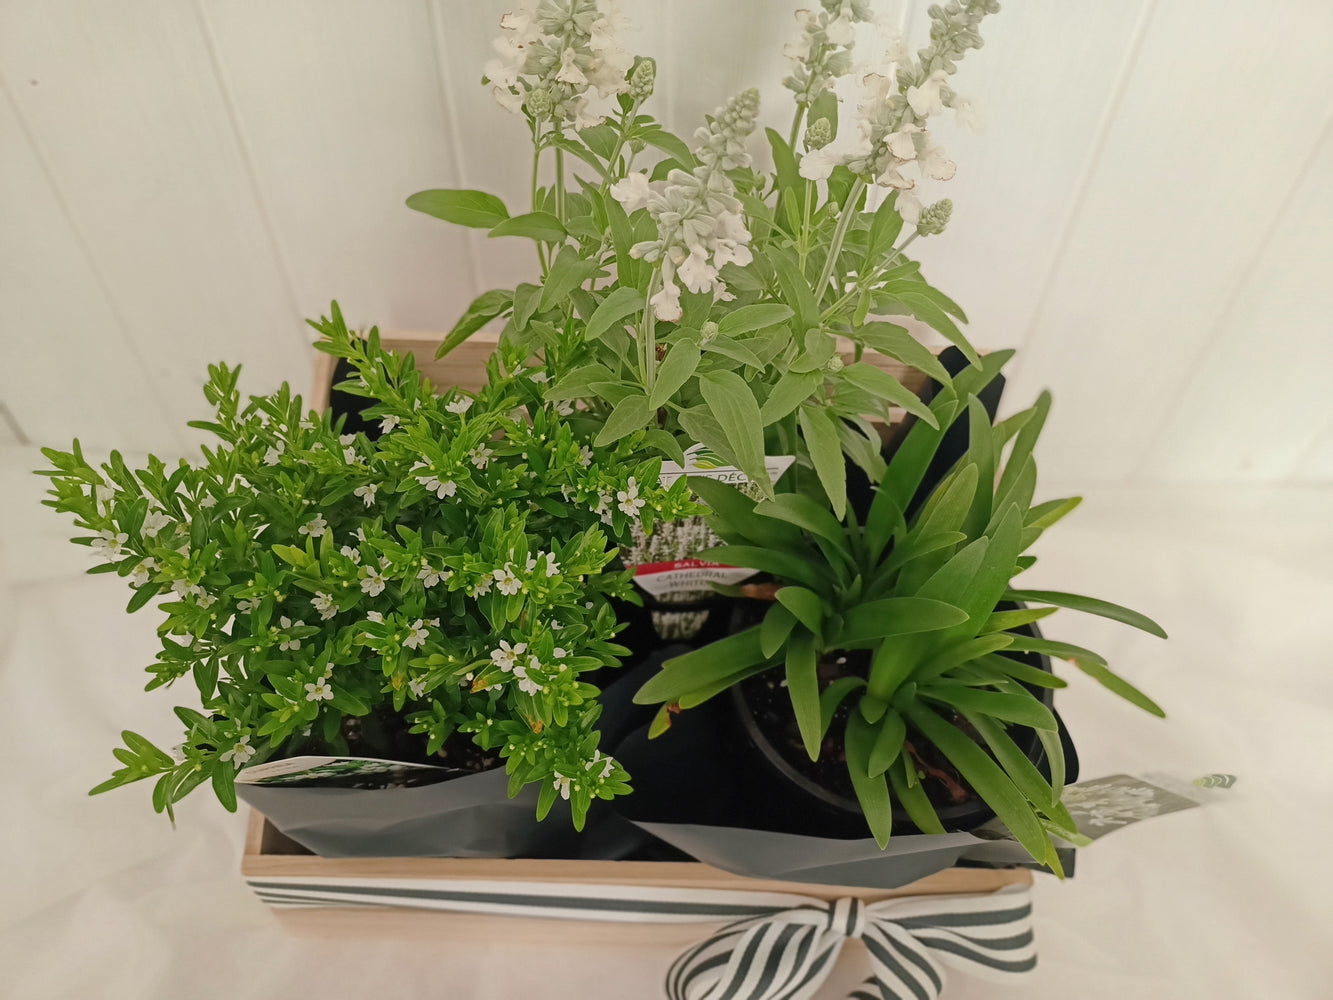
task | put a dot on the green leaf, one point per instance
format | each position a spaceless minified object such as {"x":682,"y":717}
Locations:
{"x":825,"y":106}
{"x":895,"y":342}
{"x":882,"y":385}
{"x":795,"y":288}
{"x":733,"y":405}
{"x":1022,"y":709}
{"x":821,"y":438}
{"x":785,"y":565}
{"x":615,"y":307}
{"x":980,"y":451}
{"x":1116,"y":684}
{"x":913,"y":796}
{"x":892,"y":616}
{"x":224,"y":784}
{"x":681,"y":361}
{"x":734,"y":349}
{"x":888,"y":743}
{"x":567,"y":272}
{"x":928,"y":312}
{"x":142,"y":595}
{"x":666,"y":443}
{"x":700,"y":424}
{"x":755,"y":317}
{"x":806,"y":605}
{"x":476,"y":209}
{"x":579,"y":382}
{"x":1003,"y":621}
{"x":629,"y":415}
{"x":803,"y":687}
{"x":1023,"y":673}
{"x":1024,"y":773}
{"x":1024,"y":443}
{"x":985,"y":776}
{"x":774,"y":629}
{"x":734,"y":512}
{"x":1089,"y":605}
{"x":871,"y":793}
{"x":540,"y":226}
{"x":484,"y":308}
{"x":833,"y":696}
{"x":794,"y":508}
{"x":788,"y":175}
{"x":884,"y":228}
{"x":792,"y":389}
{"x":698,"y":667}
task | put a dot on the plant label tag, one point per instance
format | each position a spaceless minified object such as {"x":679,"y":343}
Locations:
{"x":701,"y":461}
{"x":663,"y":578}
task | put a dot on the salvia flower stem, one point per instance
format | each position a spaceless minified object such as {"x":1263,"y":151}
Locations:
{"x":840,"y":234}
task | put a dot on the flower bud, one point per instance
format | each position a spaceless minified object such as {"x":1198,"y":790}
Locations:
{"x":540,"y":103}
{"x":834,"y":364}
{"x":934,"y":218}
{"x":641,"y":78}
{"x":707,"y":332}
{"x":818,"y":134}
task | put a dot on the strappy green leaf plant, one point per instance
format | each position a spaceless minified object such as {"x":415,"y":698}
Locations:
{"x":928,"y":596}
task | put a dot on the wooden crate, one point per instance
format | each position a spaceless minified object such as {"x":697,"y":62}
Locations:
{"x":269,"y":854}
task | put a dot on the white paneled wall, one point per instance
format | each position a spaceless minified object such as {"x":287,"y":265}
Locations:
{"x":1146,"y":215}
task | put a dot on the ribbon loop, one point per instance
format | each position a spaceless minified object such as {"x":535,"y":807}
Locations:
{"x":787,"y":955}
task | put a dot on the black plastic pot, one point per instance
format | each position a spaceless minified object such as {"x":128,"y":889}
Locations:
{"x":779,"y":797}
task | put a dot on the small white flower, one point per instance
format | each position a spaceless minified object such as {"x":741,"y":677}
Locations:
{"x":208,"y":501}
{"x":447,"y":488}
{"x":367,"y":492}
{"x":817,"y":164}
{"x":695,"y":271}
{"x":417,"y":634}
{"x":540,"y":377}
{"x":562,"y":785}
{"x":433,"y":622}
{"x":346,"y":438}
{"x":324,"y":604}
{"x":666,"y":303}
{"x":351,"y":553}
{"x":274,"y":454}
{"x":564,"y":407}
{"x":108,"y":545}
{"x":430,"y":576}
{"x":307,"y":425}
{"x":507,"y":655}
{"x":203,"y":598}
{"x":482,"y":587}
{"x":480,"y":456}
{"x":632,"y":192}
{"x":103,"y":495}
{"x":349,"y":455}
{"x":290,"y":643}
{"x":585,"y":456}
{"x":532,"y":563}
{"x":525,"y":683}
{"x":459,"y":405}
{"x":417,"y":687}
{"x":603,"y":508}
{"x":505,"y":580}
{"x":240,"y":753}
{"x":373,"y":581}
{"x":925,"y":99}
{"x":245,"y":604}
{"x":315,"y":527}
{"x":375,"y":616}
{"x":388,"y":424}
{"x":319,"y":690}
{"x":154,"y":522}
{"x":936,"y":165}
{"x":552,"y":567}
{"x":901,"y":144}
{"x":139,"y":575}
{"x":630,"y":501}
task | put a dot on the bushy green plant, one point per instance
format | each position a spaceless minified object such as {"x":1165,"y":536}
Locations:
{"x":687,"y":293}
{"x":923,"y":595}
{"x":455,"y":570}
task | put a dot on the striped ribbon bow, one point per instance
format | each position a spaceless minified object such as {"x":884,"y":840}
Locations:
{"x":787,"y":955}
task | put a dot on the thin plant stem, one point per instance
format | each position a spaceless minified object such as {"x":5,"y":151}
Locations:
{"x":805,"y":224}
{"x":796,"y":126}
{"x":839,"y":234}
{"x":648,"y":335}
{"x":560,"y":184}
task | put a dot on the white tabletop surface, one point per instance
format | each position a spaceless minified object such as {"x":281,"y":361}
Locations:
{"x":102,"y":899}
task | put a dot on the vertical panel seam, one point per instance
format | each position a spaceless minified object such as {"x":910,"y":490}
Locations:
{"x":1306,"y":454}
{"x":1261,"y":247}
{"x":130,"y":345}
{"x":449,"y":106}
{"x":1084,"y":182}
{"x":252,"y":175}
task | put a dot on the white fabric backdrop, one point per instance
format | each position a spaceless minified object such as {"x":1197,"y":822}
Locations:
{"x":102,"y":899}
